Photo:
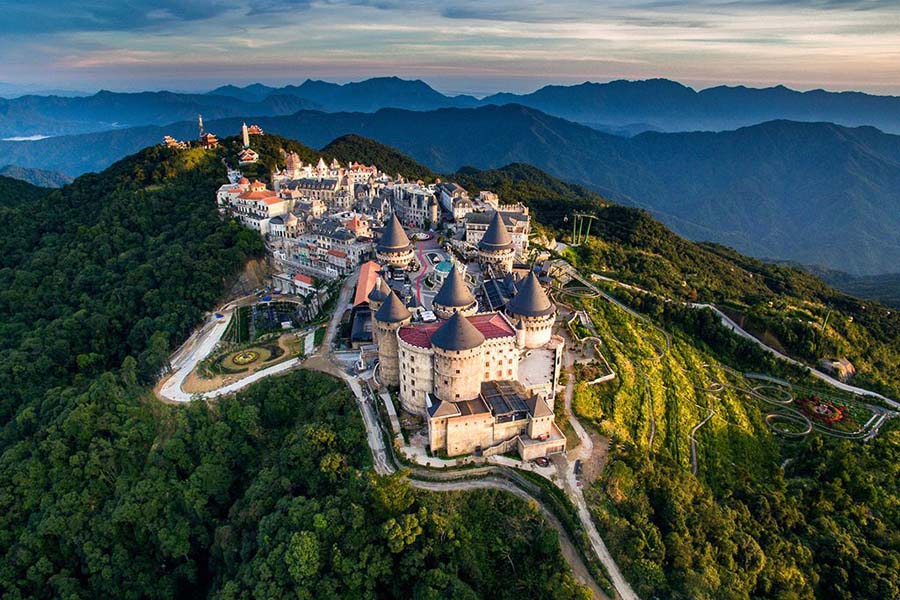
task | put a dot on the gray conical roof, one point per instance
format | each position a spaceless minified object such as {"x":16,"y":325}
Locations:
{"x":379,"y":291}
{"x":392,"y":311}
{"x":457,"y":334}
{"x":393,"y":238}
{"x":496,"y":237}
{"x":530,"y":300}
{"x":454,"y":292}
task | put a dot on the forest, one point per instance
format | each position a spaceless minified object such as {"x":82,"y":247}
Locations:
{"x":105,"y":492}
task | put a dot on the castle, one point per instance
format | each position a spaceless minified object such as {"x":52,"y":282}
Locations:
{"x":464,"y":372}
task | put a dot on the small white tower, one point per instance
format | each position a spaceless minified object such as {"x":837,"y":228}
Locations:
{"x":246,"y":135}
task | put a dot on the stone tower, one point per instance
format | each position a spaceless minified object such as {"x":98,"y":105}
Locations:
{"x":496,"y":247}
{"x":533,"y":308}
{"x":454,"y":297}
{"x":391,"y":316}
{"x":376,"y":298}
{"x":394,"y":247}
{"x":245,"y":134}
{"x":457,"y":360}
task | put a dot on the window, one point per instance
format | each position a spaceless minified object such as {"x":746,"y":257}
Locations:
{"x":457,"y":371}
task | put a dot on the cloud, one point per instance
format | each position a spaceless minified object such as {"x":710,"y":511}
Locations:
{"x":839,"y":43}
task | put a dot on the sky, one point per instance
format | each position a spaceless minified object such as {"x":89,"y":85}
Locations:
{"x":458,"y":46}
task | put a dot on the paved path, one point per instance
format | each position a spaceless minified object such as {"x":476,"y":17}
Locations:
{"x":730,"y":324}
{"x":196,"y":348}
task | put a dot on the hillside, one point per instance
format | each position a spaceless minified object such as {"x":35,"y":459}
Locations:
{"x":105,"y":492}
{"x":14,"y":191}
{"x":38,"y":177}
{"x":633,"y":247}
{"x":813,"y":193}
{"x":698,"y":498}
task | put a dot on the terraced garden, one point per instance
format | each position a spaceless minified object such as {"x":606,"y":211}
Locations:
{"x":664,"y":388}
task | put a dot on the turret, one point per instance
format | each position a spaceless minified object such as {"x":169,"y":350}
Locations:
{"x":496,"y":247}
{"x":457,"y":359}
{"x":533,"y":309}
{"x":454,"y":296}
{"x":394,"y":247}
{"x":391,"y":316}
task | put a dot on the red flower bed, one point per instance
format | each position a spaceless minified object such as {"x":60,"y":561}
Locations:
{"x":823,"y":411}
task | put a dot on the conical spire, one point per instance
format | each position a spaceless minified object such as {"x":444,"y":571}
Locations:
{"x":392,"y":311}
{"x":379,"y":291}
{"x":454,"y":293}
{"x":530,"y":300}
{"x":393,"y":239}
{"x":457,"y":334}
{"x":496,"y":237}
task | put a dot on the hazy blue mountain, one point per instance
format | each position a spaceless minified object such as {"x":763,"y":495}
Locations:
{"x":57,"y":115}
{"x":38,"y":177}
{"x":670,"y":106}
{"x":815,"y":193}
{"x":254,"y":92}
{"x":620,"y":107}
{"x":376,"y":93}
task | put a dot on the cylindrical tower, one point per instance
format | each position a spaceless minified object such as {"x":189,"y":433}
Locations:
{"x":454,"y":297}
{"x":533,"y":309}
{"x":376,"y":298}
{"x":391,"y":316}
{"x":394,"y":247}
{"x":458,"y":358}
{"x":496,"y":247}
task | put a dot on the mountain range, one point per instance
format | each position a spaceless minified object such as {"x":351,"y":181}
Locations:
{"x":814,"y":193}
{"x":620,"y":107}
{"x":39,"y":177}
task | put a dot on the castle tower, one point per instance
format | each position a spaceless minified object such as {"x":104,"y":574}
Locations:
{"x":533,"y":308}
{"x":376,"y":298}
{"x":454,"y":297}
{"x":458,"y":358}
{"x":245,"y":134}
{"x":496,"y":247}
{"x":394,"y":247}
{"x":391,"y":316}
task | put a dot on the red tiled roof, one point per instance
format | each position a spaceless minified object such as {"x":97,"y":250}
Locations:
{"x":258,"y":195}
{"x":368,"y":275}
{"x":303,"y":278}
{"x":491,"y":325}
{"x":337,"y":253}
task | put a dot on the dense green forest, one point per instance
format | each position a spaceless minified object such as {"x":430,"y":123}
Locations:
{"x":106,"y":492}
{"x":15,"y":191}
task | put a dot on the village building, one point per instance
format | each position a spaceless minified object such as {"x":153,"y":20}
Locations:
{"x":454,"y":199}
{"x":414,"y":204}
